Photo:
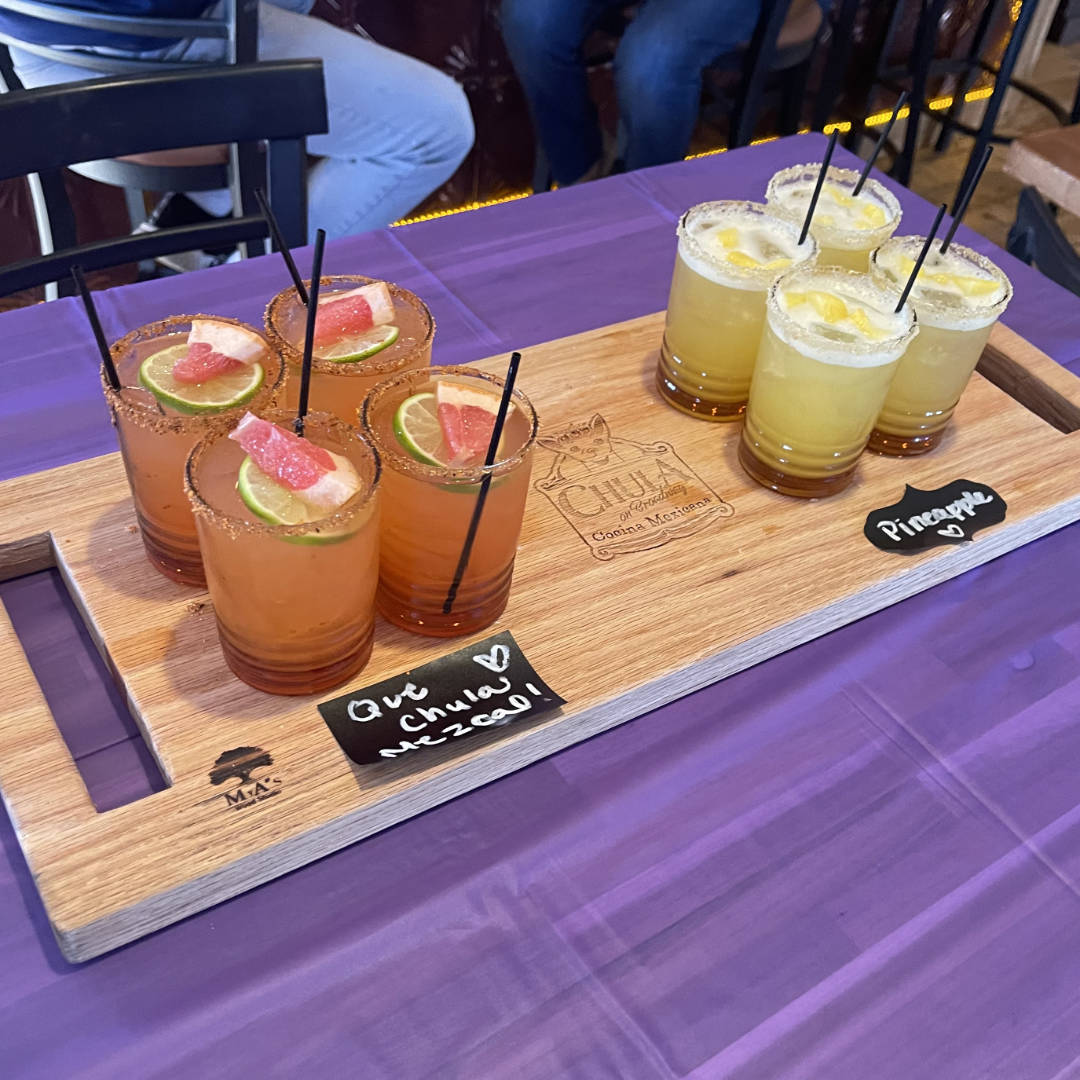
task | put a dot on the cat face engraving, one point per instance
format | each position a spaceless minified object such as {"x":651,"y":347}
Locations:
{"x":588,"y":443}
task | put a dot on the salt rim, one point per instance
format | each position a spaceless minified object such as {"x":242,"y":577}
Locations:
{"x":379,"y":363}
{"x":980,"y":312}
{"x":151,"y":416}
{"x":861,"y":353}
{"x":757,"y":215}
{"x":317,"y":422}
{"x":394,"y":455}
{"x":796,"y":176}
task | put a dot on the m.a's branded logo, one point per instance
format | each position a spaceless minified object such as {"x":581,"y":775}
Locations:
{"x":240,"y":765}
{"x":623,"y":496}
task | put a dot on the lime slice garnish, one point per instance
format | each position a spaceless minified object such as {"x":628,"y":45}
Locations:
{"x":215,"y":395}
{"x":361,"y":346}
{"x":417,"y":427}
{"x":271,"y":502}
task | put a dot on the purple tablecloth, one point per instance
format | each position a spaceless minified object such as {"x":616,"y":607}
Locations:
{"x":858,"y":860}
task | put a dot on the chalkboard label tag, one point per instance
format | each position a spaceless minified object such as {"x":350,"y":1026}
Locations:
{"x":923,"y":519}
{"x":486,"y":685}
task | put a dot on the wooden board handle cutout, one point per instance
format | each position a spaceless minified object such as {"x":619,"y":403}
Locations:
{"x":33,"y":755}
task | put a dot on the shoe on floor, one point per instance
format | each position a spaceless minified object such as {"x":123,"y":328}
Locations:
{"x":177,"y":209}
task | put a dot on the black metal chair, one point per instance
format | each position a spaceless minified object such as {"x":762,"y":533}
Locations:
{"x":237,"y":29}
{"x":280,"y":102}
{"x":1036,"y":238}
{"x":922,"y":69}
{"x":214,"y":167}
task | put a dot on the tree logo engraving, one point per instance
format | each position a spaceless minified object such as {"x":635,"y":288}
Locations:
{"x":239,"y":764}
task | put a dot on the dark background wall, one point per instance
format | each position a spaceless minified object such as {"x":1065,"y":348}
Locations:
{"x":461,"y":37}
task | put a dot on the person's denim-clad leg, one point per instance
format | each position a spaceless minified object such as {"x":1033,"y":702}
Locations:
{"x":658,"y":72}
{"x":398,"y":127}
{"x":659,"y":66}
{"x":544,"y":39}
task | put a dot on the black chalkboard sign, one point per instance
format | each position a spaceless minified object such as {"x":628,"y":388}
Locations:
{"x":483,"y":686}
{"x":923,"y":519}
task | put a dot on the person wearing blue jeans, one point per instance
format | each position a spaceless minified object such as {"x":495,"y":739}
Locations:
{"x":398,"y":127}
{"x":658,"y":71}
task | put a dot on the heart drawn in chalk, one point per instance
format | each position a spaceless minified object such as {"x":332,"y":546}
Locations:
{"x":954,"y":531}
{"x":497,"y":659}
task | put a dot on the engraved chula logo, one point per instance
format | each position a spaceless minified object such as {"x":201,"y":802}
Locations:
{"x":622,"y":496}
{"x":245,"y":764}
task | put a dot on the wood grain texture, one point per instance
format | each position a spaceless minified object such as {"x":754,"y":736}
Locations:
{"x":1032,"y":378}
{"x":740,"y":576}
{"x":1050,"y":162}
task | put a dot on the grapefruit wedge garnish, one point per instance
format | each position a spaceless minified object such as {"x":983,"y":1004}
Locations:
{"x":355,"y":324}
{"x":216,"y":348}
{"x":217,"y":369}
{"x":467,"y":418}
{"x":286,"y":479}
{"x":450,"y":427}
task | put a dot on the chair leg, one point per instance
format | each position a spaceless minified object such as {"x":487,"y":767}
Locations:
{"x":54,"y":222}
{"x":925,"y":38}
{"x":744,"y":122}
{"x":542,"y":178}
{"x":964,"y":81}
{"x":997,"y":98}
{"x":1018,"y":243}
{"x":793,"y":94}
{"x":836,"y":66}
{"x":758,"y":62}
{"x":286,"y":188}
{"x":136,"y":208}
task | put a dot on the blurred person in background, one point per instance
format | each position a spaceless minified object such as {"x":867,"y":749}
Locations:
{"x":398,"y":127}
{"x":659,"y":64}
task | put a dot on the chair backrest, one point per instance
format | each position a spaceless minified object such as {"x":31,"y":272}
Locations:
{"x":280,"y":102}
{"x":1037,"y":239}
{"x":237,"y":28}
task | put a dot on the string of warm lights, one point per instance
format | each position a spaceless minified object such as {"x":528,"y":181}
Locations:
{"x":842,"y":126}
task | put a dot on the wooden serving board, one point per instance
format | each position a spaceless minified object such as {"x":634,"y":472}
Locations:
{"x":641,"y":524}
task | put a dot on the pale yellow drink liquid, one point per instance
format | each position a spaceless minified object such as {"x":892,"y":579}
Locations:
{"x":957,"y":297}
{"x":729,"y":254}
{"x":847,"y":227}
{"x":831,"y":346}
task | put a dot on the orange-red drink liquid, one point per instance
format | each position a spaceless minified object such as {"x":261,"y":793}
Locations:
{"x":295,"y":604}
{"x":155,"y":440}
{"x":427,"y":509}
{"x":340,"y":387}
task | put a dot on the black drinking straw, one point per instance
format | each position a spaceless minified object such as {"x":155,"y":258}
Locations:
{"x":965,"y":198}
{"x":95,"y":325}
{"x":309,"y":333}
{"x":922,"y":257}
{"x":817,"y":187}
{"x":279,"y":240}
{"x":489,"y":460}
{"x":901,"y":101}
